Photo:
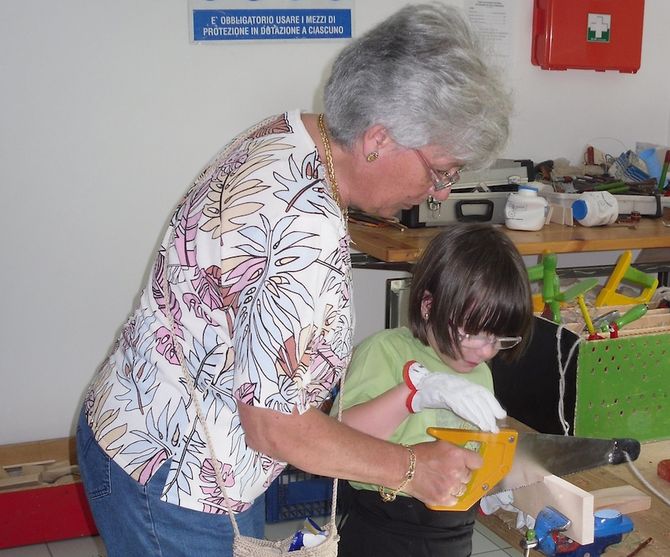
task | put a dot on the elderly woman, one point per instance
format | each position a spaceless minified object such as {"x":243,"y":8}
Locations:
{"x":244,"y":327}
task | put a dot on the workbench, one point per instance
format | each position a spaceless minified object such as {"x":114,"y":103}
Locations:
{"x":401,"y":246}
{"x":393,"y":247}
{"x":654,"y":523}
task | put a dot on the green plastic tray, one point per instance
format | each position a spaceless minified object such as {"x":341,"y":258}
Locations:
{"x":623,"y":388}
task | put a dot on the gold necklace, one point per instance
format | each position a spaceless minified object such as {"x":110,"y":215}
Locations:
{"x":330,"y":167}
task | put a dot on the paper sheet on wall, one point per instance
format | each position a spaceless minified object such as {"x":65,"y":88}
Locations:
{"x":492,"y":20}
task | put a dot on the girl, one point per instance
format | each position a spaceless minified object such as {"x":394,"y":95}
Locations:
{"x":470,"y":298}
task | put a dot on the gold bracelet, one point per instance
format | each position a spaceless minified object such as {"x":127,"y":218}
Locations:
{"x":388,"y":496}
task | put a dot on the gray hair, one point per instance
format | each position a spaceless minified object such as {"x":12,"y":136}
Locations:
{"x":421,"y":74}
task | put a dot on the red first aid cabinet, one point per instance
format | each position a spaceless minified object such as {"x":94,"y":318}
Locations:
{"x":588,"y":34}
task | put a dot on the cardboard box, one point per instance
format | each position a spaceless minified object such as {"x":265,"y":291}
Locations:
{"x":41,"y":497}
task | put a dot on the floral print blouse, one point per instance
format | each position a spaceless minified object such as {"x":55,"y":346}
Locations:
{"x":258,"y":274}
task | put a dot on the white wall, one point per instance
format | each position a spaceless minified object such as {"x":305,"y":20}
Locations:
{"x":108,"y":112}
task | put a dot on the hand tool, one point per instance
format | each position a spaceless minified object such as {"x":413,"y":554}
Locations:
{"x":640,"y":547}
{"x":551,"y":297}
{"x":625,"y":273}
{"x":606,"y":318}
{"x":612,"y":187}
{"x":515,"y":459}
{"x":587,"y":318}
{"x":633,"y":314}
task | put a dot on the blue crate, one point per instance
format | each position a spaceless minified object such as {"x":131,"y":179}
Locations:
{"x":296,"y":494}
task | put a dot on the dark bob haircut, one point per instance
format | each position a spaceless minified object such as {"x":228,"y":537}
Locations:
{"x":478,"y":282}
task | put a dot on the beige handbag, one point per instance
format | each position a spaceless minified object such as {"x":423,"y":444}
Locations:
{"x":245,"y":546}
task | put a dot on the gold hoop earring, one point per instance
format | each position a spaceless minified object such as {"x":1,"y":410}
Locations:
{"x":372,"y":157}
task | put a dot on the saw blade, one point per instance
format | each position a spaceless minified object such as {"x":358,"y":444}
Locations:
{"x":541,"y":454}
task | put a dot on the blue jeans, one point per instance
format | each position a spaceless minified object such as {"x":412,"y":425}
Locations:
{"x":133,"y":521}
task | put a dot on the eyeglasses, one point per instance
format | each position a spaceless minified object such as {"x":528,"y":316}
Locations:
{"x":480,"y":341}
{"x":442,"y":179}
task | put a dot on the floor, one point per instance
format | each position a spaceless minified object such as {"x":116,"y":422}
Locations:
{"x":485,"y":544}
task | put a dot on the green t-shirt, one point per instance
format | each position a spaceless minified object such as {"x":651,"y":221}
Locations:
{"x":376,"y":367}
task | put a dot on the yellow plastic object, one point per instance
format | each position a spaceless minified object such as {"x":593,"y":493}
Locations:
{"x":608,"y":295}
{"x":497,"y":450}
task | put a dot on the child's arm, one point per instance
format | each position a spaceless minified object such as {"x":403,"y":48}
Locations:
{"x":421,"y":389}
{"x":380,"y":416}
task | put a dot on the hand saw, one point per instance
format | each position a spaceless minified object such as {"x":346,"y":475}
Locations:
{"x":514,"y":459}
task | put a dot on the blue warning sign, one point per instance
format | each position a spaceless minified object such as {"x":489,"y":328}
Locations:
{"x":271,"y":24}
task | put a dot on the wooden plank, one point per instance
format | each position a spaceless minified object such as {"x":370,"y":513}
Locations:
{"x":35,"y":451}
{"x":624,"y":498}
{"x":570,"y":500}
{"x":24,"y":480}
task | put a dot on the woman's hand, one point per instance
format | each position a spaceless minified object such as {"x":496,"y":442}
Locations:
{"x":442,"y":472}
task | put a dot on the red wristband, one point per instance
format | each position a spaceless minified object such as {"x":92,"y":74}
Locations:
{"x":408,"y":381}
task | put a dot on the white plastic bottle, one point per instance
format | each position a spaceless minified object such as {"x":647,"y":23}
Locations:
{"x":525,"y":209}
{"x":595,"y":208}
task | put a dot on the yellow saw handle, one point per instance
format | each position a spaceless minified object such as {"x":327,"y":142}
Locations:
{"x":497,"y":451}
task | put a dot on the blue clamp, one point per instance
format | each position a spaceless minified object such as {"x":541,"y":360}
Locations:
{"x":609,"y":527}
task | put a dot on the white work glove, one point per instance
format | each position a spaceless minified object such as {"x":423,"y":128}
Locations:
{"x":443,"y":390}
{"x":503,"y":500}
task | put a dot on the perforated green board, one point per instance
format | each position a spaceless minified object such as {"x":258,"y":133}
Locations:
{"x":623,"y":388}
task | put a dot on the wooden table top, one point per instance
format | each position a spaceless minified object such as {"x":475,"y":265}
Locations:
{"x":654,"y":523}
{"x":395,"y":246}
